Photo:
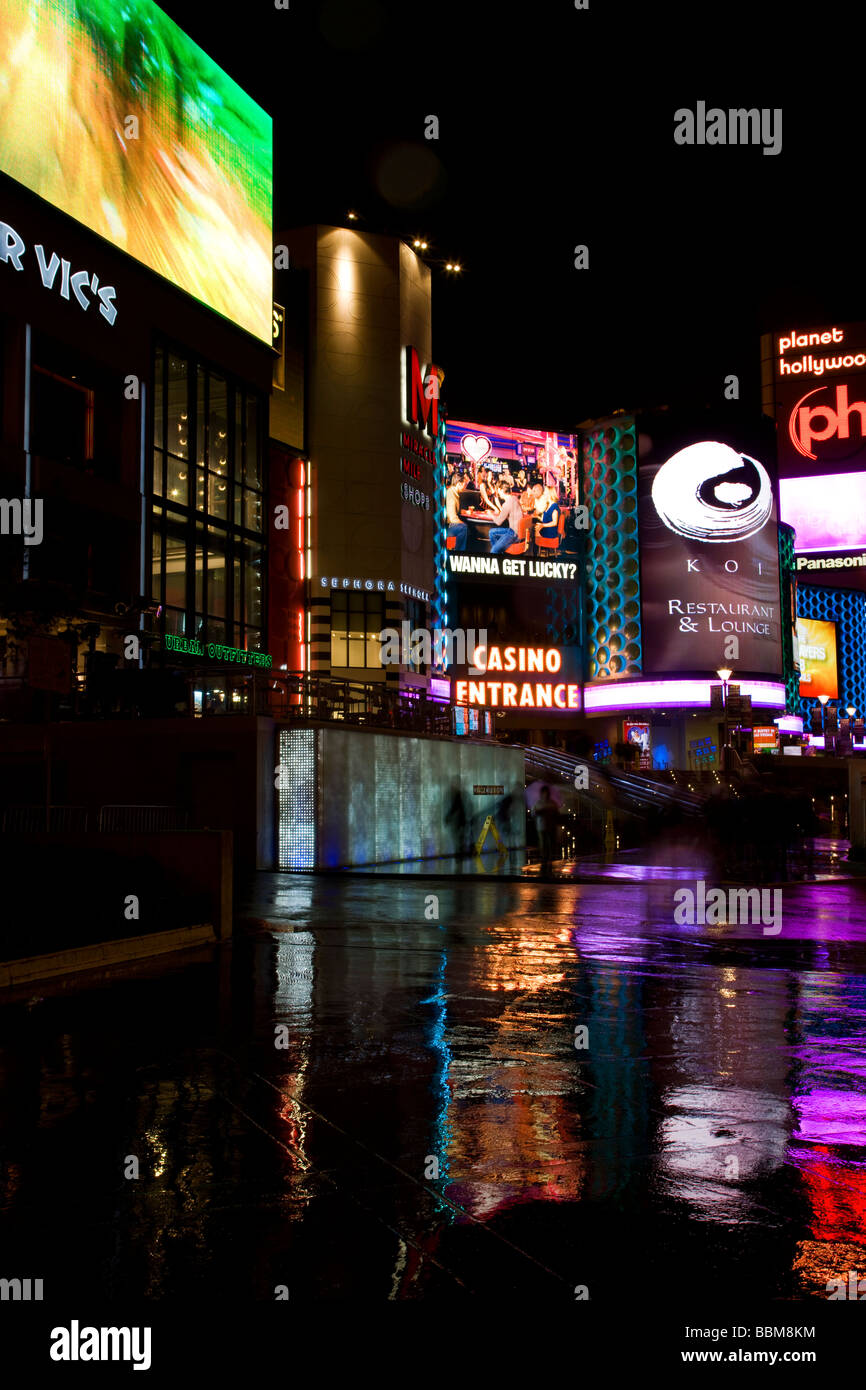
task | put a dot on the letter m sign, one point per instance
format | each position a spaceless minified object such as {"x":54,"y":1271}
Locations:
{"x":422,"y":394}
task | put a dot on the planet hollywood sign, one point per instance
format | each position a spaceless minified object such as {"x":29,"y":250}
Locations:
{"x":820,"y":396}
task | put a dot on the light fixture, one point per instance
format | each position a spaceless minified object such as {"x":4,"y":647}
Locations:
{"x":724,"y":673}
{"x":823,"y":699}
{"x":851,"y":711}
{"x":352,"y":216}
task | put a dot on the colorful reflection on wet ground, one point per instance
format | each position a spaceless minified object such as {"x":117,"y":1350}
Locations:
{"x":418,"y":1089}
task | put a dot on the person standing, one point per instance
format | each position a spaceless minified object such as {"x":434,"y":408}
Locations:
{"x":456,"y":527}
{"x":546,"y":817}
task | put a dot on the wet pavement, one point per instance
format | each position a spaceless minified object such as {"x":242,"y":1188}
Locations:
{"x":361,"y":1099}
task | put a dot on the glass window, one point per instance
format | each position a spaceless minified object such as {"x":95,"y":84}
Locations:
{"x":218,"y":424}
{"x":239,"y":438}
{"x":156,"y":566}
{"x":252,"y":474}
{"x":216,"y":583}
{"x":175,"y":569}
{"x":199,"y":576}
{"x":252,"y":511}
{"x":217,"y":495}
{"x":177,"y":481}
{"x":200,"y":416}
{"x":177,"y":441}
{"x":175,"y":621}
{"x":200,"y":556}
{"x":158,"y":400}
{"x":356,"y":621}
{"x":253,"y":586}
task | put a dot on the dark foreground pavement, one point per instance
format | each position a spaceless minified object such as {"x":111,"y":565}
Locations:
{"x":366,"y":1101}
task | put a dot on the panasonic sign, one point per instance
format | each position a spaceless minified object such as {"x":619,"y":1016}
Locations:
{"x":830,"y":562}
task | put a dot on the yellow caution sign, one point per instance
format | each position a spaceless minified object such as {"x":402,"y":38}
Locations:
{"x":498,"y":864}
{"x":488,"y":828}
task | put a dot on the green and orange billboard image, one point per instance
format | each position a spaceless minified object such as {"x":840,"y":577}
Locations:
{"x":110,"y":112}
{"x":816,"y":639}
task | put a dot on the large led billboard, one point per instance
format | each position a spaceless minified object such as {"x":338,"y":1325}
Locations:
{"x":818,"y":668}
{"x":112,"y":114}
{"x":510,"y":495}
{"x":827,"y":512}
{"x":709,"y":558}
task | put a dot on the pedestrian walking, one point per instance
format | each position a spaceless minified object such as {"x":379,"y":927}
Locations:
{"x":546,"y":819}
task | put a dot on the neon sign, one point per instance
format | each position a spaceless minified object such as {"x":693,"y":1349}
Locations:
{"x":526,"y":695}
{"x":191,"y":646}
{"x":802,"y":430}
{"x":422,"y":394}
{"x":506,"y":694}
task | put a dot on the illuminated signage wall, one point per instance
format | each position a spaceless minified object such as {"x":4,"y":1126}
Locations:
{"x":638,"y":734}
{"x":765,"y":736}
{"x":819,"y":379}
{"x":827,"y":512}
{"x":542,"y":466}
{"x":818,"y":668}
{"x":709,"y":553}
{"x":815,"y":385}
{"x":521,"y":678}
{"x":141,"y":137}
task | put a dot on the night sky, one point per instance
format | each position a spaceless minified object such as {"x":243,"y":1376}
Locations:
{"x":556,"y":129}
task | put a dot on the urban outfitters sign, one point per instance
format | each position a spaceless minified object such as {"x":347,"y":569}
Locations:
{"x":190,"y":646}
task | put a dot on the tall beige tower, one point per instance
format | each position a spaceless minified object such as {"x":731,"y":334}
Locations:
{"x":371,"y":468}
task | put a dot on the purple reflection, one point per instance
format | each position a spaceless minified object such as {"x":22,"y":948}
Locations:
{"x":825,"y":1116}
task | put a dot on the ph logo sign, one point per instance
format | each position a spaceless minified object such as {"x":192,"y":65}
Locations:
{"x":829,"y":418}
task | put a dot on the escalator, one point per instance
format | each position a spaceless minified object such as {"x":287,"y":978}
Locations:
{"x":610,"y":787}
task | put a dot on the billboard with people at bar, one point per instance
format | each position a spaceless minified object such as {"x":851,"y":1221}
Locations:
{"x":510,"y":497}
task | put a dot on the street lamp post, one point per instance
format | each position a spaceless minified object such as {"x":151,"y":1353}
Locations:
{"x":724,"y":674}
{"x":823,"y":702}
